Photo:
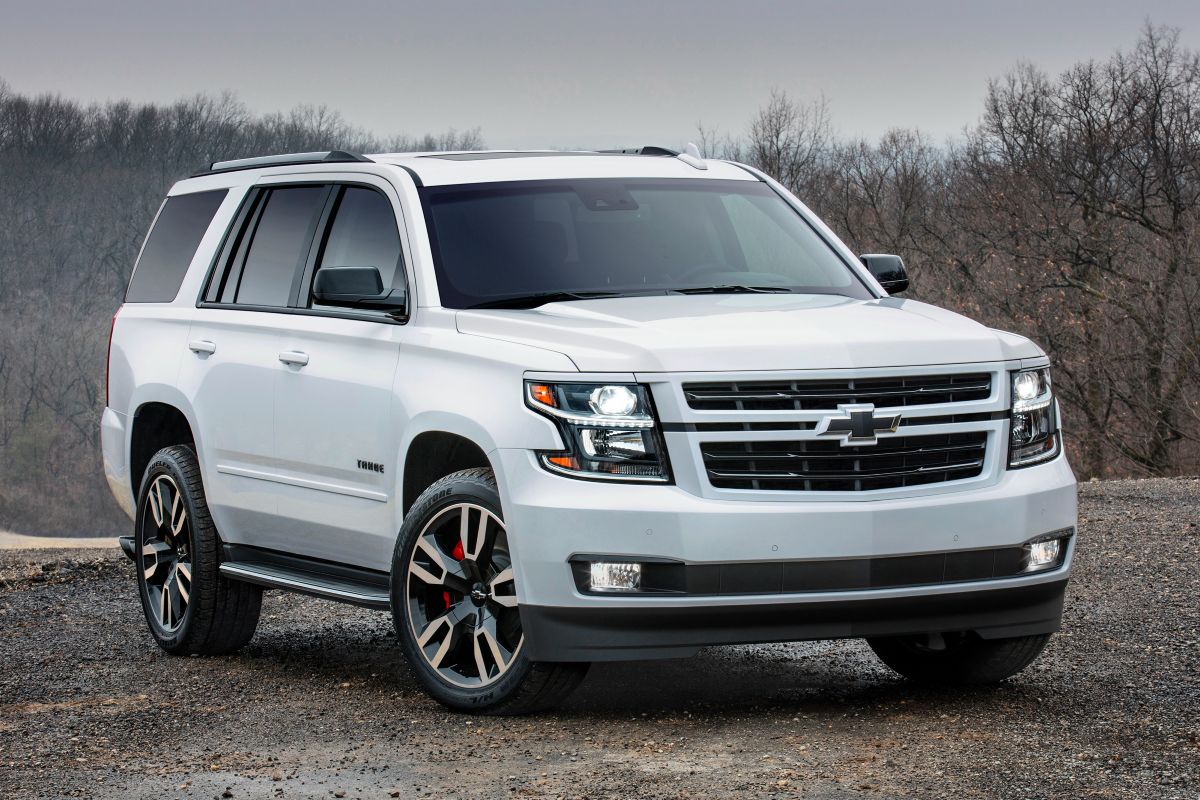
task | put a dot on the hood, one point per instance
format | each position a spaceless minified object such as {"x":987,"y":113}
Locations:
{"x":726,"y":333}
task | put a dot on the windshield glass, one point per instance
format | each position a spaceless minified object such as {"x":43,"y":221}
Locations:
{"x":494,"y":242}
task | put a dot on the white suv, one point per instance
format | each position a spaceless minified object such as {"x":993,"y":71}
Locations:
{"x":551,"y":408}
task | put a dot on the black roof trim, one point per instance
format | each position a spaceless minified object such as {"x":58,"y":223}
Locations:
{"x":412,"y":173}
{"x":648,"y":150}
{"x":492,"y":155}
{"x":284,"y":160}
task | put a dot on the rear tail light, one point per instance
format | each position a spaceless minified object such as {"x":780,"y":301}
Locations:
{"x":108,"y":360}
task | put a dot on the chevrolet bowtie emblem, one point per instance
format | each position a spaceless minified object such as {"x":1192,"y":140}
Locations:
{"x":858,"y":424}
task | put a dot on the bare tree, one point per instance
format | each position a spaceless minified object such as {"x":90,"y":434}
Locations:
{"x":81,"y":184}
{"x":788,"y":140}
{"x":1085,"y":193}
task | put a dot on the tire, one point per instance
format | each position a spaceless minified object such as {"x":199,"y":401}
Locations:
{"x":965,"y":660}
{"x":454,"y":604}
{"x":190,"y":607}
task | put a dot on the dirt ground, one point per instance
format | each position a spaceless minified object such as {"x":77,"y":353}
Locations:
{"x":319,"y":705}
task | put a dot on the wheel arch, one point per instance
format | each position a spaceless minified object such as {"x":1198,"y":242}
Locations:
{"x":157,"y":421}
{"x":434,"y":451}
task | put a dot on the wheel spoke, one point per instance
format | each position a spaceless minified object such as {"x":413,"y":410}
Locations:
{"x":164,"y":606}
{"x":432,"y":629}
{"x":422,"y":572}
{"x":177,"y":601}
{"x":504,"y":578}
{"x":183,"y":579}
{"x":501,"y":656}
{"x":477,"y":544}
{"x":488,"y":632}
{"x":480,"y":663}
{"x":178,"y":514}
{"x":474,"y":537}
{"x":444,"y":627}
{"x":156,"y":504}
{"x":154,"y":554}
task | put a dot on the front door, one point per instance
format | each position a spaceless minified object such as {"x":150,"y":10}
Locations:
{"x":336,"y":432}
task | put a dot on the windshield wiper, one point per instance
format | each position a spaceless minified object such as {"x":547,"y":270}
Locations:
{"x":734,"y":289}
{"x":541,"y":298}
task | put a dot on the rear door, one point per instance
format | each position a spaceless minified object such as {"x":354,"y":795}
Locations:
{"x":336,"y":433}
{"x":234,"y":365}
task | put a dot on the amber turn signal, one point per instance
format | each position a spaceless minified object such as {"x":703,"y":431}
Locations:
{"x":544,"y":394}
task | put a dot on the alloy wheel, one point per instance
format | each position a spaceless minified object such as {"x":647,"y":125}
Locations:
{"x":462,"y":598}
{"x":166,"y":555}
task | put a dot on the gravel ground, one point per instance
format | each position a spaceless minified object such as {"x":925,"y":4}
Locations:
{"x":319,"y":705}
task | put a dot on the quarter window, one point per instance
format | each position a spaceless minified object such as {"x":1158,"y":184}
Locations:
{"x":171,"y":245}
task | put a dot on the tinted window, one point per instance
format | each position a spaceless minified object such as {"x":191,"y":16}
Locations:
{"x":172,"y":244}
{"x":281,"y":241}
{"x":631,"y":236}
{"x":364,"y":234}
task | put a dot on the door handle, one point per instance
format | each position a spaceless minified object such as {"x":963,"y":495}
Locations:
{"x":202,"y":347}
{"x":294,"y":357}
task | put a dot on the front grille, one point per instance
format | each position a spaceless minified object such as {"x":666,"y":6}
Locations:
{"x":827,"y":466}
{"x":827,"y":395}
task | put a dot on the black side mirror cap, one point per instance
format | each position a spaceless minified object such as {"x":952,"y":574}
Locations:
{"x":888,"y":270}
{"x":357,"y":287}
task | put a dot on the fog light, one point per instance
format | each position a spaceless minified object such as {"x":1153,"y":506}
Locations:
{"x":1040,"y":555}
{"x":610,"y":576}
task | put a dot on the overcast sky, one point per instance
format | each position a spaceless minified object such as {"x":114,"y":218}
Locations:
{"x":567,"y":73}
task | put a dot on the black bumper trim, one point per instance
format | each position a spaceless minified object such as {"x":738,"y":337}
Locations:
{"x":606,"y":633}
{"x":661,"y":575}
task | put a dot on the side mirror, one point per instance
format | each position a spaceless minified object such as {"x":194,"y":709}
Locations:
{"x":356,"y":287}
{"x":888,"y":270}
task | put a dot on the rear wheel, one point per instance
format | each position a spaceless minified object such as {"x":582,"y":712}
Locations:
{"x":958,"y":658}
{"x":190,"y":607}
{"x":454,"y":602}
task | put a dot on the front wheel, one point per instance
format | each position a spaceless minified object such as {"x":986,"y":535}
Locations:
{"x":454,"y":604}
{"x":959,"y":658}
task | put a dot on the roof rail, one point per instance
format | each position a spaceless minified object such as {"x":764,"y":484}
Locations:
{"x":285,"y":160}
{"x":690,"y":155}
{"x":648,"y":150}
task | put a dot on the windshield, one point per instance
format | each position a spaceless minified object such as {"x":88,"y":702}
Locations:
{"x":571,"y":239}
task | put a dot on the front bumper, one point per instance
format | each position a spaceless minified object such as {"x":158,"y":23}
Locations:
{"x":550,"y":519}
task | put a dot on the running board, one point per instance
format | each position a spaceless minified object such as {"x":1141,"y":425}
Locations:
{"x":127,"y":546}
{"x":344,"y":589}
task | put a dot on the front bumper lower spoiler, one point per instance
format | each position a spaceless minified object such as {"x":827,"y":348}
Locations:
{"x":606,"y":633}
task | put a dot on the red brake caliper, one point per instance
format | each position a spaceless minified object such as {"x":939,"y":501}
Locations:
{"x":457,"y":552}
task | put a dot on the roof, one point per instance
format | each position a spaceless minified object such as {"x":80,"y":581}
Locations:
{"x":439,"y":169}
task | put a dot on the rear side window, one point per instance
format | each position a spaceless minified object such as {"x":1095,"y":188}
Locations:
{"x":280,"y":245}
{"x":171,"y":245}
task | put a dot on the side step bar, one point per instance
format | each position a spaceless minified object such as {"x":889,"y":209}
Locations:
{"x":127,"y":545}
{"x":355,"y":591}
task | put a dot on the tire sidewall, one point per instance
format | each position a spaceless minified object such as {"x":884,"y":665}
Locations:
{"x":454,"y":489}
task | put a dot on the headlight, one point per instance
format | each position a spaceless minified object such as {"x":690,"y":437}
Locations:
{"x":609,"y":431}
{"x":1033,"y":430}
